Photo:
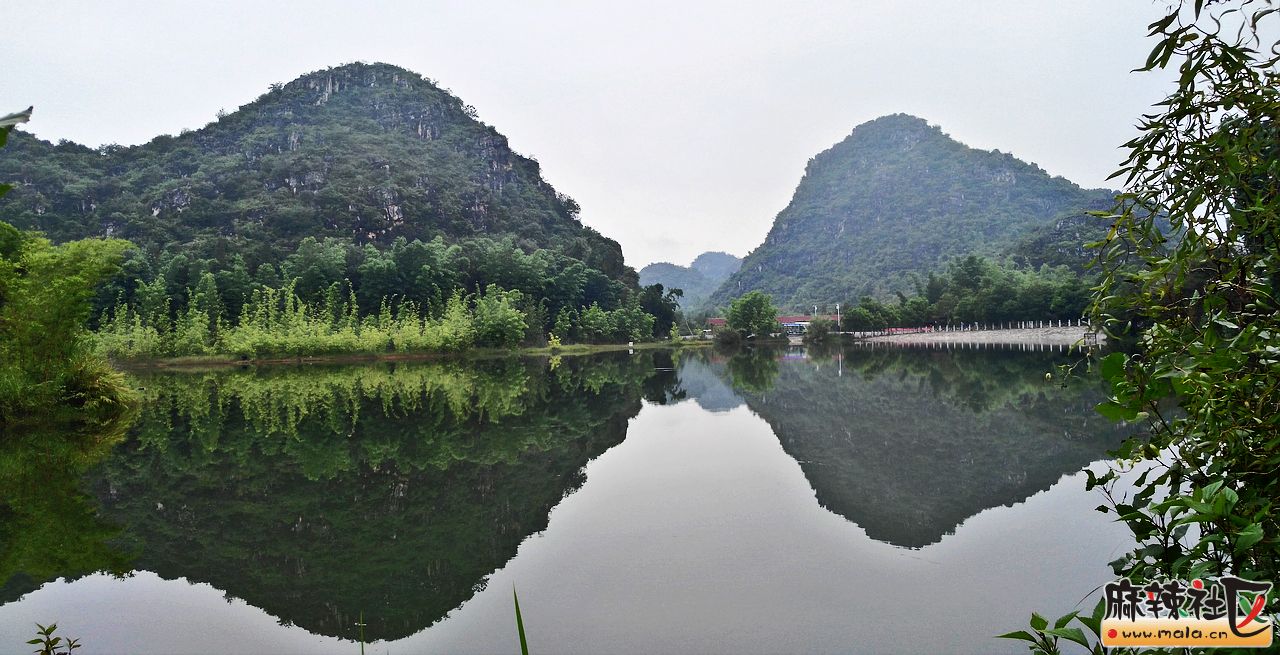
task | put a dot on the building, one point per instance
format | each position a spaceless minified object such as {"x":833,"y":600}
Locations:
{"x":792,"y":325}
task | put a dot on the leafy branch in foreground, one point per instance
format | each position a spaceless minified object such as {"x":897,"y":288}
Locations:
{"x":49,"y":644}
{"x":1044,"y":640}
{"x":7,"y":123}
{"x":1189,"y":273}
{"x":1202,"y":302}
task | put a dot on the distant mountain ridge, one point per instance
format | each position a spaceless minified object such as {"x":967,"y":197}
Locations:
{"x":697,"y":280}
{"x":366,"y":152}
{"x":899,"y":197}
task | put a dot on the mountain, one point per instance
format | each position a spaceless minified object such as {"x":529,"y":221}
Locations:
{"x":899,"y":197}
{"x":716,"y":265}
{"x":362,"y":152}
{"x":1060,"y":242}
{"x":697,"y":280}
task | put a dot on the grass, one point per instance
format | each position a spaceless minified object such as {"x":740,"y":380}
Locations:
{"x":86,"y":388}
{"x":524,"y":643}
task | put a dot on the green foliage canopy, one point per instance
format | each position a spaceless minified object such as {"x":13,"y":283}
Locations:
{"x":753,"y":314}
{"x":45,"y":293}
{"x":1191,"y":268}
{"x":1203,"y":304}
{"x":976,"y":289}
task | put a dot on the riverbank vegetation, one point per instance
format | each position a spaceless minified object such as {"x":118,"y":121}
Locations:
{"x":47,"y":361}
{"x":47,"y":365}
{"x":331,"y":297}
{"x":973,"y":289}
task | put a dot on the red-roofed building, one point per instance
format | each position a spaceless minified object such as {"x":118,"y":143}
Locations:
{"x":798,"y":325}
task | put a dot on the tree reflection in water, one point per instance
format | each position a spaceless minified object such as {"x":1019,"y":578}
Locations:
{"x":396,"y":489}
{"x":318,"y":493}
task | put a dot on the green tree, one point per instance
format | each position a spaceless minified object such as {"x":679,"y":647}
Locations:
{"x":564,"y":326}
{"x":377,"y":276}
{"x":45,"y":295}
{"x":234,"y":286}
{"x":631,"y":323}
{"x":596,"y":324}
{"x":153,"y":305}
{"x":859,"y":319}
{"x":1203,"y":298}
{"x":315,"y":265}
{"x":662,"y":304}
{"x":753,"y":314}
{"x":819,"y":331}
{"x":498,"y":321}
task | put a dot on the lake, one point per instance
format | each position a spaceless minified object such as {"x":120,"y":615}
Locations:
{"x":865,"y":499}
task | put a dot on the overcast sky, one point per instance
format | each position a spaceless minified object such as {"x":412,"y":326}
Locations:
{"x":679,"y":127}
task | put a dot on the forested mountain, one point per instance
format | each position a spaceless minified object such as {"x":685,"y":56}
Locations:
{"x":696,"y":280}
{"x":367,"y":152}
{"x":899,"y":197}
{"x":1061,"y":241}
{"x":351,"y":187}
{"x":716,"y":265}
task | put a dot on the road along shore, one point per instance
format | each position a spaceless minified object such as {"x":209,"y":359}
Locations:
{"x":1057,"y":336}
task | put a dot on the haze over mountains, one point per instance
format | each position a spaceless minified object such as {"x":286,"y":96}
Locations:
{"x":697,"y":280}
{"x":899,"y":197}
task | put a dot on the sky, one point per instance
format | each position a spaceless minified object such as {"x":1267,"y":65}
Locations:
{"x":679,"y":127}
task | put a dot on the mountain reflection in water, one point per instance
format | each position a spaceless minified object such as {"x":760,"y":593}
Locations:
{"x":395,"y":490}
{"x":907,"y":442}
{"x":319,"y":493}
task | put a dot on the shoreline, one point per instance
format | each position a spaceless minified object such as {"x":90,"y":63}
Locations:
{"x":221,"y":361}
{"x":1052,"y":336}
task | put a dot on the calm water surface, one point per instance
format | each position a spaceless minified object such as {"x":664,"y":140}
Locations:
{"x":865,"y":500}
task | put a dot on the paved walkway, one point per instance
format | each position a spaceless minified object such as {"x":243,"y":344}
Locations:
{"x":1064,"y":336}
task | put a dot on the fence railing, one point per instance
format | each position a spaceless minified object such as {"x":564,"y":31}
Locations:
{"x":977,"y":326}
